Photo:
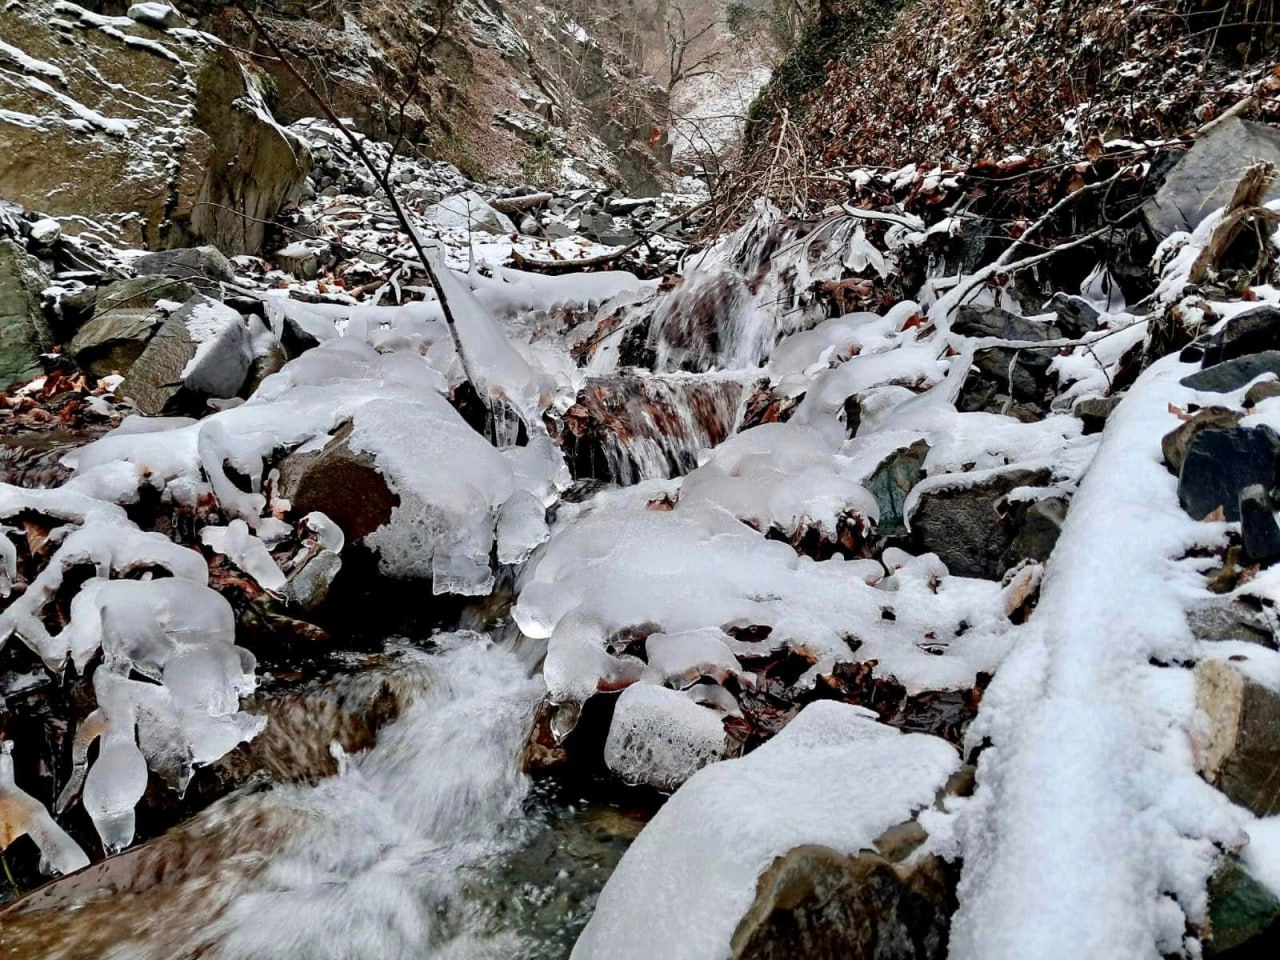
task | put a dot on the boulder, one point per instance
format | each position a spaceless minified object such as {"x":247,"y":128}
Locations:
{"x":162,"y":16}
{"x":1233,"y":374}
{"x":817,"y":902}
{"x":1238,"y":746}
{"x":204,"y":266}
{"x":159,"y":138}
{"x":468,"y":211}
{"x":341,"y":483}
{"x":1220,"y":462}
{"x":1242,"y":912}
{"x":1204,"y":178}
{"x":24,"y":332}
{"x":971,"y":526}
{"x":124,"y":320}
{"x":203,"y":350}
{"x":1076,"y":315}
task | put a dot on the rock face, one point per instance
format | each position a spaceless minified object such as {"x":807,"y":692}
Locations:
{"x":817,"y":902}
{"x":1204,"y":178}
{"x":203,"y":350}
{"x":972,"y":528}
{"x":162,"y":137}
{"x":24,"y":333}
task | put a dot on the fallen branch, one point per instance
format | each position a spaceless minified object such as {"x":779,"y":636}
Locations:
{"x":516,"y":204}
{"x":1244,"y":207}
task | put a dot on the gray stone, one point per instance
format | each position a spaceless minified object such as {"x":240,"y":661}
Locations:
{"x":970,"y":526}
{"x":1076,"y":316}
{"x":309,"y":584}
{"x":817,"y":902}
{"x":892,"y":481}
{"x":1204,"y":178}
{"x":1094,"y":411}
{"x":1234,"y":374}
{"x":158,"y":15}
{"x":24,"y":332}
{"x":46,"y":232}
{"x":124,"y":319}
{"x":1238,"y":748}
{"x":204,"y":267}
{"x":1226,"y":618}
{"x":203,"y":350}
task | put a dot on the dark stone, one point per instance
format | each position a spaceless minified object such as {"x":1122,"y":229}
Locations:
{"x":1251,"y":774}
{"x":1220,"y":463}
{"x":970,"y":526}
{"x":1030,"y":373}
{"x":341,"y":483}
{"x":816,"y":902}
{"x":1258,"y":529}
{"x":1248,"y":332}
{"x":892,"y":481}
{"x":1234,"y":374}
{"x":1176,"y":441}
{"x":1076,"y":316}
{"x":1038,"y":533}
{"x":1242,"y":913}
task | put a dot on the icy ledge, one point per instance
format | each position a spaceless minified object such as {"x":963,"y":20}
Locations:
{"x":834,"y":776}
{"x":1090,"y":834}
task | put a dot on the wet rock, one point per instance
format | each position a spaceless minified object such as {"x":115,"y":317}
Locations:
{"x":1093,"y":411}
{"x":1233,"y":374}
{"x":203,"y":350}
{"x":309,"y":584}
{"x":1248,"y":332}
{"x":205,"y":267}
{"x":124,"y":319}
{"x":892,"y":481}
{"x":1175,"y":443}
{"x":817,"y":902}
{"x":1204,"y":178}
{"x":1242,"y":911}
{"x":970,"y":526}
{"x":1220,"y":462}
{"x":24,"y":332}
{"x":1237,"y":747}
{"x":1230,"y":618}
{"x":1258,"y":530}
{"x":341,"y":483}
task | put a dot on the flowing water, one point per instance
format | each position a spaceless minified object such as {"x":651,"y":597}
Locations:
{"x":432,"y":844}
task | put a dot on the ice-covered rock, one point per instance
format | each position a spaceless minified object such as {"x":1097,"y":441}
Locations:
{"x":660,"y":737}
{"x":159,"y":15}
{"x":465,"y":212}
{"x":833,"y":777}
